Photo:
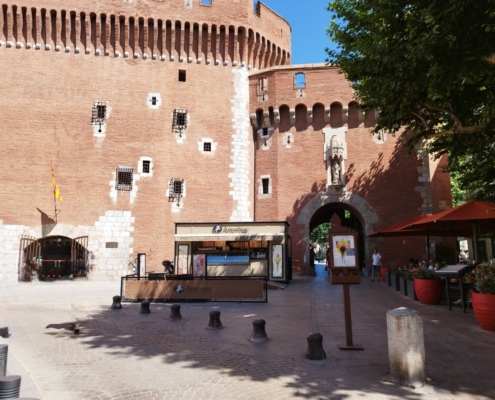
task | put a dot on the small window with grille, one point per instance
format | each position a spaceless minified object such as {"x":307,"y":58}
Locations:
{"x":146,"y":166}
{"x":176,"y":187}
{"x":123,"y":178}
{"x":179,"y":122}
{"x":182,"y":75}
{"x":99,"y":113}
{"x":206,"y":146}
{"x":266,"y":185}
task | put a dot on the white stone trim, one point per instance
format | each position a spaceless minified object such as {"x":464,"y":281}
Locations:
{"x":241,"y":163}
{"x":96,"y":127}
{"x":207,"y":140}
{"x":149,"y":101}
{"x":114,"y":193}
{"x":288,"y":138}
{"x":176,"y":204}
{"x":140,"y":167}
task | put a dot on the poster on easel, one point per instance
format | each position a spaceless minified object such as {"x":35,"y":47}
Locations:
{"x":344,"y":251}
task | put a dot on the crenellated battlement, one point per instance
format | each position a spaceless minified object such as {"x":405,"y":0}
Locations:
{"x":115,"y":34}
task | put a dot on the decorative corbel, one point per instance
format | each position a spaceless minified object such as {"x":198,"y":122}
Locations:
{"x":276,"y":117}
{"x":292,"y":115}
{"x":327,"y":114}
{"x":254,"y":120}
{"x":309,"y":113}
{"x":345,"y":113}
{"x":266,"y":119}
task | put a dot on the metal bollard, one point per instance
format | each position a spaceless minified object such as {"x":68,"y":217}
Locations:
{"x":116,"y":305}
{"x":5,"y":332}
{"x":315,"y":347}
{"x":4,"y":352}
{"x":175,"y":312}
{"x":215,"y":322}
{"x":259,"y":334}
{"x":10,"y":386}
{"x":145,"y":307}
{"x":406,"y":349}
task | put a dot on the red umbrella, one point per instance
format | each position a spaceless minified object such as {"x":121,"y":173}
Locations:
{"x":471,"y":218}
{"x":409,"y":228}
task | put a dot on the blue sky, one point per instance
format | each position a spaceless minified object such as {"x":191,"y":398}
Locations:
{"x":308,"y":20}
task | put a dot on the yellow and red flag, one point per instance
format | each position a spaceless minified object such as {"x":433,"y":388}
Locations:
{"x":56,"y":192}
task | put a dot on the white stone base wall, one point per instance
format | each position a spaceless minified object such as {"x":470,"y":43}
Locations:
{"x":104,"y":263}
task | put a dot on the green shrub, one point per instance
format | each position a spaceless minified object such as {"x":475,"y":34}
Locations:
{"x":485,"y":278}
{"x":424,"y":273}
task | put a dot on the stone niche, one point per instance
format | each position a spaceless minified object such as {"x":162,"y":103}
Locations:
{"x":335,"y":154}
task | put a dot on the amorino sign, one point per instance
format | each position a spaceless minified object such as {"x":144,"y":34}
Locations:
{"x":229,"y":230}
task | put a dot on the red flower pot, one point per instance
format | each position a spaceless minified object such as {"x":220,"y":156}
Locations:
{"x":484,"y":310}
{"x":429,"y":291}
{"x":383,"y":272}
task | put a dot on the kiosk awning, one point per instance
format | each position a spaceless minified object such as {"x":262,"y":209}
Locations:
{"x":230,"y":237}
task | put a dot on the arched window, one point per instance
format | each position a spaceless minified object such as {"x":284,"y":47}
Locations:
{"x":300,"y":80}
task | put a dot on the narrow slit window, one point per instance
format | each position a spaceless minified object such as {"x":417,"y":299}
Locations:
{"x":146,"y":166}
{"x":262,"y":85}
{"x":300,"y":80}
{"x":182,"y":75}
{"x":123,"y":179}
{"x":266,"y":185}
{"x":206,"y":146}
{"x":153,"y":101}
{"x":264,"y":133}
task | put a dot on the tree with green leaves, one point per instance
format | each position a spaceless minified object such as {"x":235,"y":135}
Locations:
{"x":428,"y":67}
{"x":319,"y":235}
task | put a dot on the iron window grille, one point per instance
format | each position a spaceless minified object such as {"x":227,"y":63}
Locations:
{"x":179,"y":121}
{"x":146,"y":166}
{"x":123,"y":179}
{"x":207,"y":146}
{"x":266,"y":185}
{"x":176,"y":188}
{"x":99,"y":113}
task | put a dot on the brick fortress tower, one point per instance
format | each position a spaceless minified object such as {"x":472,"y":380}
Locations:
{"x":158,"y":112}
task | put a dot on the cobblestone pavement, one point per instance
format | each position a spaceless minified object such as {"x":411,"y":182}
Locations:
{"x":121,"y":354}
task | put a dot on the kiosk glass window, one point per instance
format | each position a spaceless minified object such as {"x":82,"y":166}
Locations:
{"x":277,"y":261}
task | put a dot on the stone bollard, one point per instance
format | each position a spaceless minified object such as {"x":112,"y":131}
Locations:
{"x":406,"y":349}
{"x":259,"y":334}
{"x":116,"y":305}
{"x":175,"y":312}
{"x":315,"y":347}
{"x":4,"y":352}
{"x":215,"y":322}
{"x":74,"y":327}
{"x":145,"y":307}
{"x":10,"y":386}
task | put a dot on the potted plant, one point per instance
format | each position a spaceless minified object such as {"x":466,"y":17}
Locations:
{"x":409,"y":282}
{"x":428,"y":288}
{"x":383,"y":272}
{"x":483,"y":295}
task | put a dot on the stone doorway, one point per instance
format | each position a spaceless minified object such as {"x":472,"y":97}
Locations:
{"x":53,"y":258}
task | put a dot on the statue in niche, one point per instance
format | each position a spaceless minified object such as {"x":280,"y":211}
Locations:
{"x":335,"y":172}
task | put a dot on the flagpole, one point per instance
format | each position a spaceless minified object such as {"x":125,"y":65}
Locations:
{"x":53,"y":187}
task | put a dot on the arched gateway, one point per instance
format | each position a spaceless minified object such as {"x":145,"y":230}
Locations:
{"x":322,"y":208}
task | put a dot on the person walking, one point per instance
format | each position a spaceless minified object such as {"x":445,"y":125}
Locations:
{"x":376,"y":262}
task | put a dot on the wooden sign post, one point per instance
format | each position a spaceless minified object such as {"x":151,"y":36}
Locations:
{"x":344,"y":270}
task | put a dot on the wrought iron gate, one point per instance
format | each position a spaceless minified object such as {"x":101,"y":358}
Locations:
{"x":80,"y":257}
{"x":29,"y":258}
